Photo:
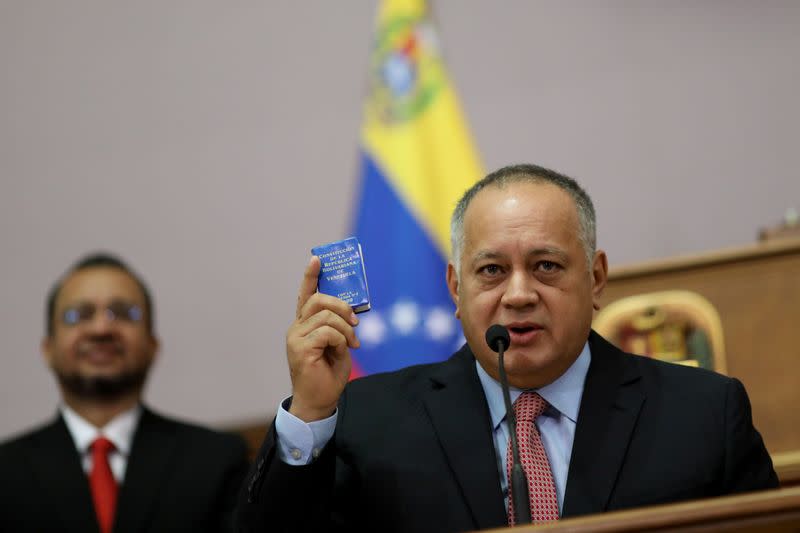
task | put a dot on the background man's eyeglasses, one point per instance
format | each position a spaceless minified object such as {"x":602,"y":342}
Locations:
{"x":117,"y":310}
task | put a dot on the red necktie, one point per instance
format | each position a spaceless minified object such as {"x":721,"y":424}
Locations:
{"x":103,"y":484}
{"x":541,"y":488}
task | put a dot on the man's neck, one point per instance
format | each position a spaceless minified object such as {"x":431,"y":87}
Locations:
{"x":100,"y":412}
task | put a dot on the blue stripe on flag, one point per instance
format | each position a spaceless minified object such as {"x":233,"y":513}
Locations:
{"x":412,"y":319}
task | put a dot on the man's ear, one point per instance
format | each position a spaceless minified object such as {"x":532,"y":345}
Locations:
{"x":155,"y":346}
{"x":599,"y":277}
{"x":452,"y":286}
{"x":47,"y":349}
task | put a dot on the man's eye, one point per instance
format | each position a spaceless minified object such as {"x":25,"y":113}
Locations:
{"x":491,"y":270}
{"x":548,"y":266}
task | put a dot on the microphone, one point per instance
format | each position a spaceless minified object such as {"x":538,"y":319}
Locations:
{"x":498,"y":340}
{"x":495,"y":335}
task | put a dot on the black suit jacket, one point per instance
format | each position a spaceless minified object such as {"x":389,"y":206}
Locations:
{"x":179,"y":477}
{"x":413,"y":449}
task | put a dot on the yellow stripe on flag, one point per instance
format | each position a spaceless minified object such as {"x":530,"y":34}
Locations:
{"x":419,"y":139}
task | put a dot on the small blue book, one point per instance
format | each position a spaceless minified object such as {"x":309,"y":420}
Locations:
{"x":342,"y":272}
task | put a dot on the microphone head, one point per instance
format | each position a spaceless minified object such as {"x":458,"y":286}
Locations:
{"x":497,"y":334}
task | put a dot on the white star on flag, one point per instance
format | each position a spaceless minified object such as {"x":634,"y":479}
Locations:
{"x":439,"y":324}
{"x":371,"y":328}
{"x":404,"y":317}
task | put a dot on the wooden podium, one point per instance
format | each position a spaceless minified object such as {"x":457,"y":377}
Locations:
{"x":756,"y":290}
{"x":767,"y":511}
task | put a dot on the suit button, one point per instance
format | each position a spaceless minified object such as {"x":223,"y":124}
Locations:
{"x":296,"y":454}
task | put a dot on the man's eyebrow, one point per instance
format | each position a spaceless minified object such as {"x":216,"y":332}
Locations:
{"x":482,"y":255}
{"x":73,"y":303}
{"x":549,"y":251}
{"x":84,"y":301}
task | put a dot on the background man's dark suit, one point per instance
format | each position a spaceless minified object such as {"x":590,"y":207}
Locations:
{"x":179,"y":477}
{"x":413,"y":449}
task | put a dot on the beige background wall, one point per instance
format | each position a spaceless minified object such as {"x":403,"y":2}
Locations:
{"x":213,"y":143}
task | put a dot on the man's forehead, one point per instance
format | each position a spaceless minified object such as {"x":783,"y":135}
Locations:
{"x":100,"y":282}
{"x":521,"y":193}
{"x":535,"y":218}
{"x":525,"y":200}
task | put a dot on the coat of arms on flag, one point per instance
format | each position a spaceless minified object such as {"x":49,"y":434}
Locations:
{"x":416,"y":161}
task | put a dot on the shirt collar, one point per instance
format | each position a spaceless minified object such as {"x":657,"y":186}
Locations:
{"x":119,"y":430}
{"x":564,"y":394}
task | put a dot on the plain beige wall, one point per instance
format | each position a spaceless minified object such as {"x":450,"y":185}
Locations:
{"x":213,"y":143}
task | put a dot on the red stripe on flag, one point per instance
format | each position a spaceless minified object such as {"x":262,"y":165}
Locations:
{"x":355,"y":371}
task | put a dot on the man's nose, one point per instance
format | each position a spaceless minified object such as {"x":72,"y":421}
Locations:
{"x":101,"y":322}
{"x":521,"y":290}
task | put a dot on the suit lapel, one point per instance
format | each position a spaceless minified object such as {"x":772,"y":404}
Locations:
{"x":457,"y":409}
{"x":612,"y":399}
{"x":152,"y":451}
{"x":56,"y":465}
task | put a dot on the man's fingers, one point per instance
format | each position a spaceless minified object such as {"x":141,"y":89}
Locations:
{"x":323,"y":340}
{"x":318,"y":302}
{"x":327,"y":336}
{"x":309,"y":284}
{"x":327,"y":317}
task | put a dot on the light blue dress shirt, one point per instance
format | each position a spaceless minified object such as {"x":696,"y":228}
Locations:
{"x":299,"y":443}
{"x":556,"y":425}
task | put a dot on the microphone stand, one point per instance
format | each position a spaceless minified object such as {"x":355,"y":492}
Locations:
{"x":518,"y":481}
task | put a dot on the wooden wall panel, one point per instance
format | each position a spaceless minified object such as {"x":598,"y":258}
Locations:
{"x":756,"y":291}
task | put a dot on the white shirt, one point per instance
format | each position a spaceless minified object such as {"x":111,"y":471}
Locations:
{"x":119,"y":431}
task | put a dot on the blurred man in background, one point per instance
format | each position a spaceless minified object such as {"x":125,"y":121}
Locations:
{"x":106,"y":462}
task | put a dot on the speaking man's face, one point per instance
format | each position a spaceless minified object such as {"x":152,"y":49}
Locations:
{"x":101,"y":347}
{"x":523,"y":266}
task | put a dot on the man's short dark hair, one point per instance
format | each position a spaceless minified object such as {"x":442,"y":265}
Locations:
{"x":97,"y":260}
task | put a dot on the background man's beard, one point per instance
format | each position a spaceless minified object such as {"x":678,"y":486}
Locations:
{"x":103,"y":388}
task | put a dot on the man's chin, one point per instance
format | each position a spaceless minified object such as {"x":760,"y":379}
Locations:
{"x":103,"y":387}
{"x":529,"y":370}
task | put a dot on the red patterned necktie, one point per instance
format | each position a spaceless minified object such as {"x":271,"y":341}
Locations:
{"x":541,"y":488}
{"x":103,"y":484}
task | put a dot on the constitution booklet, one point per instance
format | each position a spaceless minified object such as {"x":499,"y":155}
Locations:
{"x":342,"y":273}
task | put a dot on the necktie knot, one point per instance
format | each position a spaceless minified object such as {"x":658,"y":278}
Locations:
{"x":529,"y":406}
{"x":102,"y":446}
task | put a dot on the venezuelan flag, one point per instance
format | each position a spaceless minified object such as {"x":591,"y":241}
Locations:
{"x":417,"y":159}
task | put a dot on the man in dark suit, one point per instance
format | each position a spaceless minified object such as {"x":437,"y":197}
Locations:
{"x":426,"y":449}
{"x":107,"y":463}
